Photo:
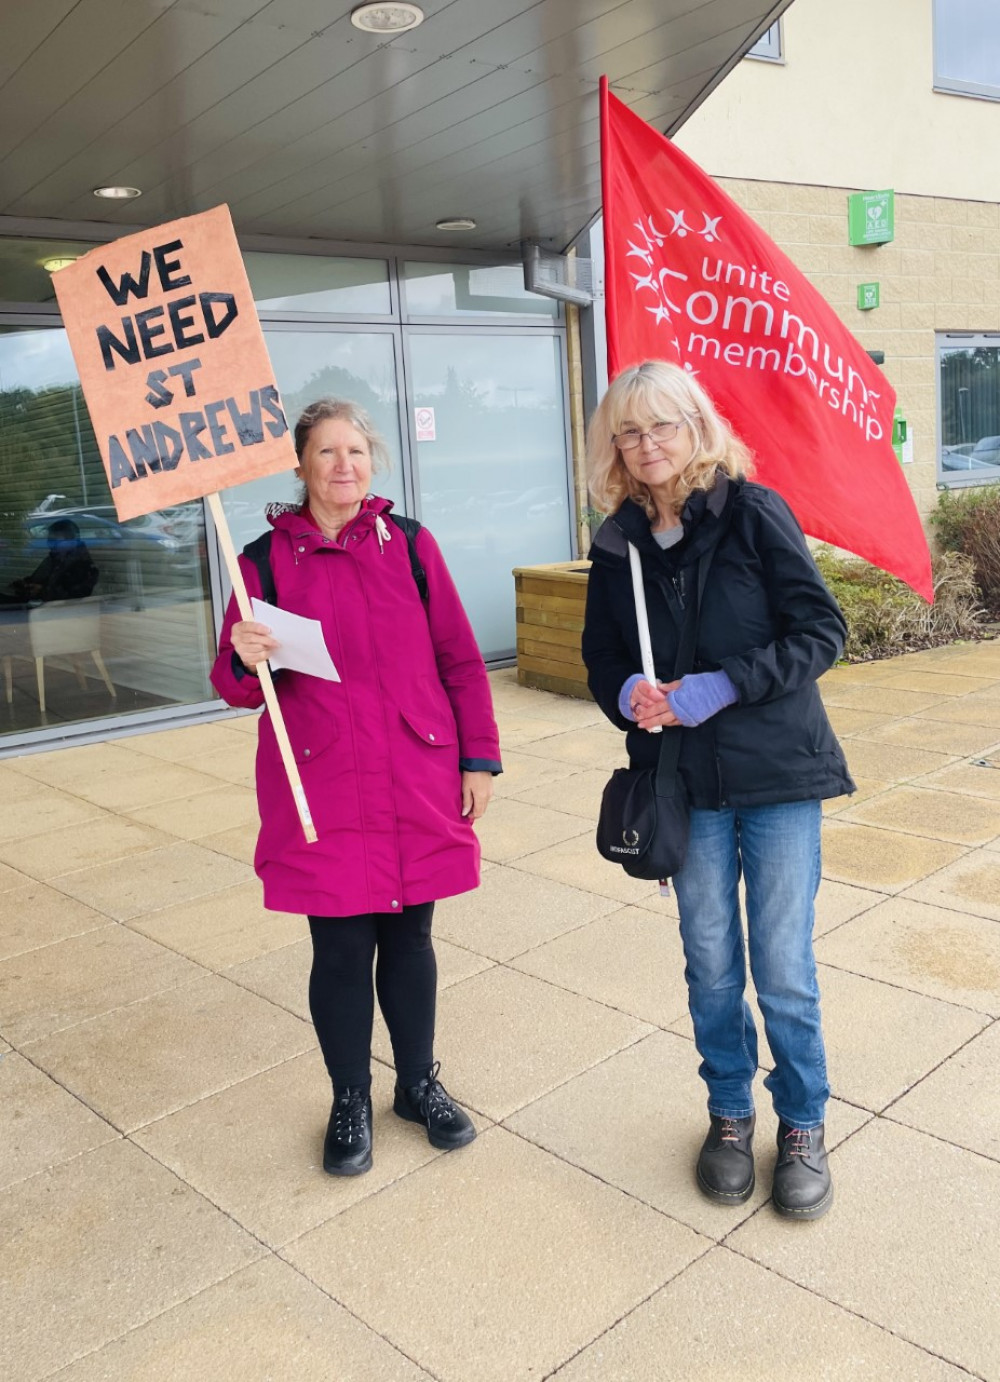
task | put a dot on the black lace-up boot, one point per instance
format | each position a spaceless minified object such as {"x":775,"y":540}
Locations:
{"x":429,"y":1103}
{"x":803,"y":1188}
{"x":347,"y":1150}
{"x":725,"y":1163}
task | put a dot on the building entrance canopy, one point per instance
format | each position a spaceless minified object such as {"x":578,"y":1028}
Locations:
{"x":307,"y":126}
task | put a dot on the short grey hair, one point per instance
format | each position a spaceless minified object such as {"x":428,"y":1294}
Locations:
{"x":343,"y":410}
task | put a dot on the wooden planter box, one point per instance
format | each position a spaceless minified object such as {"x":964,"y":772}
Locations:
{"x":550,"y":604}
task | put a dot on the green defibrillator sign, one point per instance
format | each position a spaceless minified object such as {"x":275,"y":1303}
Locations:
{"x":870,"y":218}
{"x":867,"y":296}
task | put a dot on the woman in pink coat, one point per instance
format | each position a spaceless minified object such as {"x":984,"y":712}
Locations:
{"x":397,"y":761}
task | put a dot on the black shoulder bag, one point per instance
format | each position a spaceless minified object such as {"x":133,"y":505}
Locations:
{"x":643,"y":824}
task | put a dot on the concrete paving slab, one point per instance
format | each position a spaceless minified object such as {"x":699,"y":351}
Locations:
{"x":945,"y":682}
{"x":222,"y":929}
{"x":579,"y":794}
{"x":12,"y":878}
{"x":205,"y":813}
{"x":191,"y":742}
{"x":960,"y":1100}
{"x":577,"y":863}
{"x":511,"y":829}
{"x":524,"y":770}
{"x":512,"y":912}
{"x":239,"y":842}
{"x":650,"y":1146}
{"x":839,"y":902}
{"x":267,"y":1171}
{"x":910,"y":1243}
{"x":507,"y":1038}
{"x":891,"y":762}
{"x":848,"y":722}
{"x":591,"y":746}
{"x":970,"y":884}
{"x":630,"y":960}
{"x":916,"y":733}
{"x":726,"y":1317}
{"x":99,"y":1245}
{"x":926,"y":949}
{"x":160,"y":1054}
{"x":881,"y":1039}
{"x":883,"y":860}
{"x":56,"y":986}
{"x":34,"y":915}
{"x":41,"y":1125}
{"x":961,"y":712}
{"x":937,"y":815}
{"x":980,"y":780}
{"x":519,"y":1262}
{"x":872,"y":697}
{"x":262,"y":1323}
{"x":37,"y":808}
{"x":82,"y":845}
{"x":175,"y":873}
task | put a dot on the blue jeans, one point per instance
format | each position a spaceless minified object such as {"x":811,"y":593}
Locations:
{"x":778,"y":850}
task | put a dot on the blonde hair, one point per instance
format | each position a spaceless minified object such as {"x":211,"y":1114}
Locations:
{"x":645,"y":394}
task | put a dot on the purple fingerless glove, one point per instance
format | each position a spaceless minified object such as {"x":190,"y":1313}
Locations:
{"x":625,"y":695}
{"x":700,"y":696}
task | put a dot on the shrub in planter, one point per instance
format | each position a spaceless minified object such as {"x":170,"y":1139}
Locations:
{"x":968,"y":521}
{"x":885,"y":617}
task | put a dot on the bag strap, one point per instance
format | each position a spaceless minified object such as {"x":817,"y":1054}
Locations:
{"x":670,"y":745}
{"x":259,"y":552}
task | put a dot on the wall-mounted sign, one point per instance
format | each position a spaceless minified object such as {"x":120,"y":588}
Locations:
{"x":425,"y":424}
{"x":870,"y":218}
{"x":867,"y":296}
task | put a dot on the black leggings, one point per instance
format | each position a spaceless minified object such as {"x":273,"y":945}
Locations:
{"x":342,"y":1002}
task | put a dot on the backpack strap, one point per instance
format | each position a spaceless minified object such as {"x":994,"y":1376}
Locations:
{"x":409,"y":527}
{"x":259,"y":552}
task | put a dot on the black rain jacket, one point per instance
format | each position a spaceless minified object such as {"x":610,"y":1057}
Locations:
{"x":767,"y":620}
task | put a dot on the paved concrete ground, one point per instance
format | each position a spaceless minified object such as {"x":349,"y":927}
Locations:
{"x":164,"y":1214}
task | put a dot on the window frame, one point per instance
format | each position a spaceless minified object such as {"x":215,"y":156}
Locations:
{"x":770,"y":47}
{"x":954,"y":479}
{"x":956,"y":86}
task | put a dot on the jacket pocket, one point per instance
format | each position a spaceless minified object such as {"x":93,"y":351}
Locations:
{"x":430,"y":728}
{"x":308,"y":744}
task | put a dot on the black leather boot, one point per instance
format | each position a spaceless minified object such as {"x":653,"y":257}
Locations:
{"x":347,"y":1150}
{"x":803,"y":1188}
{"x":725,"y":1163}
{"x":429,"y":1103}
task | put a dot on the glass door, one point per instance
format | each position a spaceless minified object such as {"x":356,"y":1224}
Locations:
{"x":489,"y":428}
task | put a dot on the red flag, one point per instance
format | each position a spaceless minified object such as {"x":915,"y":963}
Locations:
{"x":690,"y":278}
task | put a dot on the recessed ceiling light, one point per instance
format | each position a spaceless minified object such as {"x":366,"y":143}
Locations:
{"x":117,"y":194}
{"x":53,"y":266}
{"x":387,"y":19}
{"x":456,"y":223}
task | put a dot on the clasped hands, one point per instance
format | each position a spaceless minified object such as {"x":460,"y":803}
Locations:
{"x":650,"y":705}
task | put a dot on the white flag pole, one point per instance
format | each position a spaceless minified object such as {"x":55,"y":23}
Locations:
{"x":642,"y":618}
{"x":263,"y":671}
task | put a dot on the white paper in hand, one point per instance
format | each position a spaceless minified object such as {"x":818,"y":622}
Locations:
{"x":302,"y":647}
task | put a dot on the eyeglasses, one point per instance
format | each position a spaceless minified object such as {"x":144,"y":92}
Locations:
{"x":661,"y":432}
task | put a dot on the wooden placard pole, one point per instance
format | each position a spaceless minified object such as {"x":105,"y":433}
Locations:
{"x":263,"y":670}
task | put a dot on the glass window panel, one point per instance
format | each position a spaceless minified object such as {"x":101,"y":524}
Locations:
{"x":493,"y":483}
{"x":967,"y":47}
{"x":467,"y":290}
{"x":118,"y":612}
{"x":308,"y":365}
{"x":312,"y":283}
{"x":970,"y":411}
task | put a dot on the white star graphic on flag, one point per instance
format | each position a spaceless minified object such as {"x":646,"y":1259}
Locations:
{"x":660,"y":313}
{"x":710,"y":231}
{"x":680,"y":226}
{"x":648,"y":282}
{"x":636,"y":252}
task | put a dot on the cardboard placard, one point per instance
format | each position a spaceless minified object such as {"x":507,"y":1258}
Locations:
{"x":172,"y":360}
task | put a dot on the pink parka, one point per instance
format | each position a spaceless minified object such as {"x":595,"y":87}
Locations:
{"x":381,"y":751}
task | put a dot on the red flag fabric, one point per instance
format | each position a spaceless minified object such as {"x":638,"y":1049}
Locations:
{"x":690,"y":278}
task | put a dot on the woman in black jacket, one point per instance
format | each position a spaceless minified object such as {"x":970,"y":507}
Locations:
{"x":757,"y":754}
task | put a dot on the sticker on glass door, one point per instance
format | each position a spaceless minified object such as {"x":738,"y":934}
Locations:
{"x":425,"y":424}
